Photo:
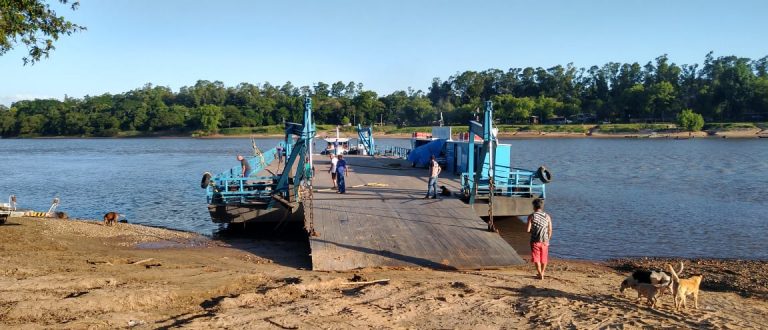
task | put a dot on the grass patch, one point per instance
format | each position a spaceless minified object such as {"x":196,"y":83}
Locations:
{"x":270,"y":129}
{"x":406,"y":130}
{"x":730,"y":126}
{"x":636,"y":128}
{"x":552,"y":128}
{"x":129,"y":134}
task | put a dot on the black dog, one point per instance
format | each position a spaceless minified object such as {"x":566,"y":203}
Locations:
{"x":656,"y":278}
{"x":444,"y":191}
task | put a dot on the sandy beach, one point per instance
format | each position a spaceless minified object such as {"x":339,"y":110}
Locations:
{"x":80,"y":274}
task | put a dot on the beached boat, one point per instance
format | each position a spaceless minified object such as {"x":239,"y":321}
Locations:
{"x":271,"y":192}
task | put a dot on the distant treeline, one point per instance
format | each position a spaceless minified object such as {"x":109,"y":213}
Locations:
{"x":723,"y":89}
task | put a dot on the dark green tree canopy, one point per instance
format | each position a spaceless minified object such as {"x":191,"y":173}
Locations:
{"x":723,"y":89}
{"x":35,"y":24}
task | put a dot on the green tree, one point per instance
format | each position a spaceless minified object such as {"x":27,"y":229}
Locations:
{"x":35,"y":24}
{"x":32,"y":125}
{"x":662,"y":97}
{"x":546,"y":107}
{"x":510,"y":109}
{"x":368,"y":107}
{"x":210,"y":117}
{"x":76,"y":123}
{"x":7,"y":121}
{"x":690,"y":120}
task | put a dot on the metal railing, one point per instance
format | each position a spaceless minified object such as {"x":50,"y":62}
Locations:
{"x":399,"y":152}
{"x":231,"y":187}
{"x":520,"y":183}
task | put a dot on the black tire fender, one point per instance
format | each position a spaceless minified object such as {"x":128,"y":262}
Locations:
{"x":544,"y":174}
{"x":206,"y":181}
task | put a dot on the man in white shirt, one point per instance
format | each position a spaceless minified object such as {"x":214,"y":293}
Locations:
{"x":334,"y":161}
{"x":434,"y":171}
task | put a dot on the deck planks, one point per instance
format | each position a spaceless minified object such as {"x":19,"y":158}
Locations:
{"x":394,"y":226}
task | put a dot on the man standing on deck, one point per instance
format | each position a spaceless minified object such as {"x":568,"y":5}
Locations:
{"x":279,"y":151}
{"x":540,"y":227}
{"x":341,"y":172}
{"x":245,"y":167}
{"x":336,"y":147}
{"x":332,"y":170}
{"x":434,"y":171}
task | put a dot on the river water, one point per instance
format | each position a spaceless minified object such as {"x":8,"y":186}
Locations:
{"x":609,"y":197}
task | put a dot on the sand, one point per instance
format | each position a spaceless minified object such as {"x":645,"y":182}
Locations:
{"x":80,"y":274}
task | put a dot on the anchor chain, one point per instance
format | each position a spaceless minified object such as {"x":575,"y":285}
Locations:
{"x":307,"y":200}
{"x":491,"y":225}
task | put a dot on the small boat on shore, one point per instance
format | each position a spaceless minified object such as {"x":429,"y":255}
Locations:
{"x":336,"y":146}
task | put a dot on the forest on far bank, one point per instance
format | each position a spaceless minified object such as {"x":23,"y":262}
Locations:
{"x":722,"y":89}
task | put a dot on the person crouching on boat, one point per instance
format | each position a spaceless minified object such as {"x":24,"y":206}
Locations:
{"x":341,"y":172}
{"x":332,"y":170}
{"x":245,"y":167}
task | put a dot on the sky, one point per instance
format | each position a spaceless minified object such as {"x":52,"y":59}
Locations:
{"x":387,"y":45}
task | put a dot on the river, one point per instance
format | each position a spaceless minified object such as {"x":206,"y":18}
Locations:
{"x":609,"y":197}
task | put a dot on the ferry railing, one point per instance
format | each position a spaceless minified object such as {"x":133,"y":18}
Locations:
{"x":520,"y":183}
{"x":230,"y":187}
{"x":241,"y":190}
{"x":399,"y":152}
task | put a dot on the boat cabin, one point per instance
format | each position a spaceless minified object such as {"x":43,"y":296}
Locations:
{"x":337,"y":146}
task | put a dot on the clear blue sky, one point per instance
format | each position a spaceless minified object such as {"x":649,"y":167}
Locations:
{"x":387,"y":45}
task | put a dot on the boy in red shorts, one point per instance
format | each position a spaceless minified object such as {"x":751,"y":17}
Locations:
{"x":540,"y":227}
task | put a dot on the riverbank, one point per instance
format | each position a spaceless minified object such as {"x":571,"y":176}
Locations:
{"x":527,"y":134}
{"x":78,"y":274}
{"x":747,"y":134}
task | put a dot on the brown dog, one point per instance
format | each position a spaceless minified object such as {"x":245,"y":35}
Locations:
{"x":111,"y":218}
{"x":683,"y":287}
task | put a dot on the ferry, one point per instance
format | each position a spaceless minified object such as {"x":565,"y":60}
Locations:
{"x":336,"y":146}
{"x":487,"y":179}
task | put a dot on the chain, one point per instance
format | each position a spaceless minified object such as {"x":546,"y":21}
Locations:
{"x":307,"y":200}
{"x":491,"y":225}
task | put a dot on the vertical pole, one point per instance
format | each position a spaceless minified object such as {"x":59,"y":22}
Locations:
{"x":489,"y":141}
{"x":471,"y":167}
{"x":373,"y":143}
{"x":309,"y":128}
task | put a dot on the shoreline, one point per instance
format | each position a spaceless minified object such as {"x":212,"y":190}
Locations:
{"x":731,"y":134}
{"x":82,"y":274}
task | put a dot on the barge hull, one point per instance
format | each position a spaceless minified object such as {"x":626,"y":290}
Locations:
{"x":505,"y":206}
{"x":240,"y":213}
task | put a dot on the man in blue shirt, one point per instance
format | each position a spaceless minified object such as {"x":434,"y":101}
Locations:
{"x":341,"y":172}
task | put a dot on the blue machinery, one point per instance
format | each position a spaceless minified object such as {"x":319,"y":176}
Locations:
{"x":234,"y":199}
{"x":496,"y":170}
{"x":365,"y":135}
{"x":495,"y":176}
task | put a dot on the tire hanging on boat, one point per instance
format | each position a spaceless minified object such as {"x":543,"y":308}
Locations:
{"x":206,"y":180}
{"x":544,"y":174}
